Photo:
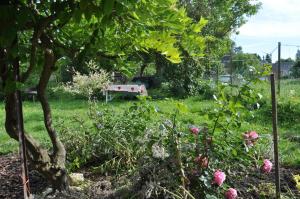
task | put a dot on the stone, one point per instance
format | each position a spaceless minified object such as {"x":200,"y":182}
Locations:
{"x":76,"y":179}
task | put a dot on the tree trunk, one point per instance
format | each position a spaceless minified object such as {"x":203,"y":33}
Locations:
{"x":51,"y":166}
{"x":143,"y":67}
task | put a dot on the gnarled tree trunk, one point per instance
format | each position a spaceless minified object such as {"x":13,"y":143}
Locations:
{"x":50,"y":165}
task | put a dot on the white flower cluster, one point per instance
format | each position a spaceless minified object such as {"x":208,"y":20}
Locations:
{"x":89,"y":84}
{"x":159,"y":152}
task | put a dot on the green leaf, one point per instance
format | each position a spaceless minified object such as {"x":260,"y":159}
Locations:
{"x":198,"y":27}
{"x":234,"y":152}
{"x":135,"y":15}
{"x":182,"y":108}
{"x":108,"y":6}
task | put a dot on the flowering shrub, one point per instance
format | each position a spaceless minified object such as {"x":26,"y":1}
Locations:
{"x":267,"y":166}
{"x":116,"y":138}
{"x":250,"y":138}
{"x":88,"y":85}
{"x":168,"y":158}
{"x":219,"y":177}
{"x":231,"y":193}
{"x":194,"y":130}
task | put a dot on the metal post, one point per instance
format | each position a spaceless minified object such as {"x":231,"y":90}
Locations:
{"x":279,"y":67}
{"x":275,"y":136}
{"x":217,"y":75}
{"x":106,"y":96}
{"x":231,"y":65}
{"x":20,"y":129}
{"x":22,"y":146}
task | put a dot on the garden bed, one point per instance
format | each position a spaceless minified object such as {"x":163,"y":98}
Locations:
{"x":252,"y":186}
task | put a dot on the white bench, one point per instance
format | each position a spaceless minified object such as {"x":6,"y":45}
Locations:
{"x":129,"y":88}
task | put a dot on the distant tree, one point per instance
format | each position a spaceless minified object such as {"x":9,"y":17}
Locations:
{"x":224,"y":19}
{"x":298,"y":55}
{"x":296,"y":70}
{"x":242,"y":62}
{"x":268,"y":59}
{"x":237,"y":50}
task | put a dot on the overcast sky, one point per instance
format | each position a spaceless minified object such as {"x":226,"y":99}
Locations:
{"x":277,"y":20}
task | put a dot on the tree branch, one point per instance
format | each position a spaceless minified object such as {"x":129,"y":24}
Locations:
{"x":58,"y":148}
{"x":34,"y":43}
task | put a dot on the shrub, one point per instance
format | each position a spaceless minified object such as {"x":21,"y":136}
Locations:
{"x":164,"y":156}
{"x":88,"y":85}
{"x":288,"y":112}
{"x":108,"y":136}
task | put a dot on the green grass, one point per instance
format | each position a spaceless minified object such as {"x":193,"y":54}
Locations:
{"x":64,"y":110}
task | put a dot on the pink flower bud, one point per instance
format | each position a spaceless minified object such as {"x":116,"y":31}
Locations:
{"x":250,"y":138}
{"x":194,"y":130}
{"x":231,"y":193}
{"x":219,"y":177}
{"x":267,"y":166}
{"x":246,"y":136}
{"x":253,"y":135}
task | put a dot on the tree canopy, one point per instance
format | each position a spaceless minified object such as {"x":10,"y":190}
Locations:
{"x":35,"y":34}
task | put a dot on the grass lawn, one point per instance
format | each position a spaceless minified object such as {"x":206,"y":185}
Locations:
{"x":64,"y":110}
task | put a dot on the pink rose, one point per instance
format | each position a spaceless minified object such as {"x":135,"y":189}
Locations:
{"x":219,"y":177}
{"x":250,"y":138}
{"x":253,"y":135}
{"x":231,"y":193}
{"x":267,"y":166}
{"x":194,"y":130}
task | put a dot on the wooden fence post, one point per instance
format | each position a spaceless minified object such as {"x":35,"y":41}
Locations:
{"x":275,"y":136}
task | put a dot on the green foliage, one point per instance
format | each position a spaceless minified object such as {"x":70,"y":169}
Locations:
{"x":224,"y":18}
{"x":112,"y":137}
{"x":156,"y":145}
{"x":242,"y":62}
{"x":109,"y":31}
{"x":88,"y":85}
{"x":296,"y":70}
{"x":184,"y":78}
{"x":289,"y":112}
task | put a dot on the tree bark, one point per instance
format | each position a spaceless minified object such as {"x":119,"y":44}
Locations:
{"x":59,"y":180}
{"x":51,"y":166}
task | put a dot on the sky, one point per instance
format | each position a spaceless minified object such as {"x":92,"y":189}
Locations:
{"x":277,"y":21}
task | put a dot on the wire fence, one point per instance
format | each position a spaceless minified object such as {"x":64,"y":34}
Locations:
{"x":221,"y":70}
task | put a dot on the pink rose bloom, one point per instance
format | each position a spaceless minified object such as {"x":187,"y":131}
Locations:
{"x":250,"y":138}
{"x":194,"y":130}
{"x":231,"y":193}
{"x":219,"y":177}
{"x":267,"y":166}
{"x":253,"y":135}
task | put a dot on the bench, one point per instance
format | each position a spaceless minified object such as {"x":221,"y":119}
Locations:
{"x":32,"y":92}
{"x":128,"y":88}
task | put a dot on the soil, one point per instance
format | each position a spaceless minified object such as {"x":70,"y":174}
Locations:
{"x":257,"y":185}
{"x":248,"y":186}
{"x":10,"y":178}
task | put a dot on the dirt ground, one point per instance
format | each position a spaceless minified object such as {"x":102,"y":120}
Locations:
{"x":249,"y":186}
{"x":10,"y":179}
